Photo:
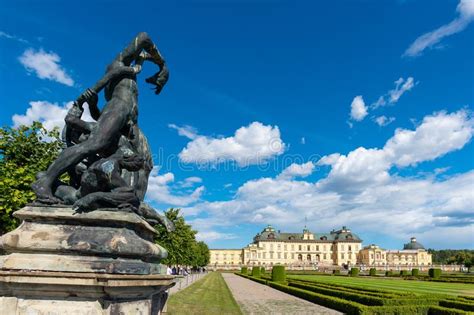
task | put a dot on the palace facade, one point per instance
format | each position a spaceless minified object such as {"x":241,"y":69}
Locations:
{"x":337,"y":248}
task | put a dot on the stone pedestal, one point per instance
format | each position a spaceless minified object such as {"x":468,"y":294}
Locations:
{"x":100,"y":262}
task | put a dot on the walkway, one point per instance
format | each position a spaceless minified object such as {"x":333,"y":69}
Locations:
{"x":186,"y":281}
{"x":255,"y":298}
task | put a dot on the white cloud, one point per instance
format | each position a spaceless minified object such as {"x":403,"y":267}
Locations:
{"x":51,"y":115}
{"x":383,"y":120}
{"x":190,"y":182}
{"x":358,"y":108}
{"x":465,"y":9}
{"x":13,"y":37}
{"x":401,"y":86}
{"x":297,"y":170}
{"x":185,"y":131}
{"x":45,"y":65}
{"x":209,"y":236}
{"x":366,"y":197}
{"x":303,"y":140}
{"x":159,"y":190}
{"x":253,"y":144}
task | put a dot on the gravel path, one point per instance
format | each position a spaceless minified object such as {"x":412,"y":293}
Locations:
{"x":256,"y":298}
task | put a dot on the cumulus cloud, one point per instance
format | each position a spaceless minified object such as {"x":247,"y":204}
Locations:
{"x":465,"y":11}
{"x":160,"y":191}
{"x":185,"y":131}
{"x":366,"y":196}
{"x":383,"y":120}
{"x":297,"y":170}
{"x":51,"y":115}
{"x":45,"y":65}
{"x":209,"y":236}
{"x":253,"y":144}
{"x":358,"y":108}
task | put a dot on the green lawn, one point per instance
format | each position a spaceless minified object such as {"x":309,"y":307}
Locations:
{"x":209,"y":295}
{"x":414,"y":286}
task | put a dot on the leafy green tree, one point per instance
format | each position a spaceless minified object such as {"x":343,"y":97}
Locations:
{"x":24,"y":151}
{"x":183,"y":249}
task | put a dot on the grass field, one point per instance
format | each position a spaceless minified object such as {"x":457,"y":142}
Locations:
{"x":394,"y":284}
{"x":209,"y":295}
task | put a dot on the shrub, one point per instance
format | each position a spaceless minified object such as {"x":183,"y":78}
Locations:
{"x":372,"y":272}
{"x":278,"y":274}
{"x":388,"y":273}
{"x":458,"y":304}
{"x":348,"y":307}
{"x":262,"y":271}
{"x":434,"y":272}
{"x":256,"y":272}
{"x":404,"y":273}
{"x":439,"y":310}
{"x":262,"y":281}
{"x":397,"y":310}
{"x":336,"y":272}
{"x":415,"y":272}
{"x":354,"y":272}
{"x":244,"y":270}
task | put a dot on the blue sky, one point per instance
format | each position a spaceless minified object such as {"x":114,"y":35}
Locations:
{"x":354,"y":113}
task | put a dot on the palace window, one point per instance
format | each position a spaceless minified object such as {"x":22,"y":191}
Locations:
{"x":279,"y":255}
{"x":317,"y":248}
{"x":279,"y":246}
{"x":271,"y":255}
{"x":264,"y":255}
{"x":284,"y":247}
{"x":308,"y":257}
{"x":342,"y":255}
{"x":308,"y":247}
{"x":324,"y":256}
{"x":285,"y":255}
{"x":292,"y":256}
{"x":292,"y":247}
{"x":342,"y":247}
{"x":324,"y":247}
{"x":271,"y":246}
{"x":299,"y":247}
{"x":350,"y":247}
{"x":323,"y":238}
{"x":271,"y":236}
{"x":300,"y":257}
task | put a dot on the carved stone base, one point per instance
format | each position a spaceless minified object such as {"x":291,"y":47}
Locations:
{"x":45,"y":293}
{"x":62,"y":262}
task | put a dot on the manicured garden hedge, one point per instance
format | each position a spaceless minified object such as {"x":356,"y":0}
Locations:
{"x":388,"y":273}
{"x":278,"y":274}
{"x":336,"y":272}
{"x":262,"y":271}
{"x":256,"y":272}
{"x":434,"y":273}
{"x":244,"y":270}
{"x":372,"y":272}
{"x":354,"y":272}
{"x":415,"y":272}
{"x":440,"y":310}
{"x":404,"y":273}
{"x":458,"y":304}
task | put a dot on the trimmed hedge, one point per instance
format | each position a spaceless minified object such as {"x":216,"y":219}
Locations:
{"x":458,"y":304}
{"x":363,"y":298}
{"x":415,"y":272}
{"x":348,"y":307}
{"x":256,"y":272}
{"x":440,"y":310}
{"x":278,"y":273}
{"x":388,"y":273}
{"x":354,"y":272}
{"x":397,"y":310}
{"x":434,"y":272}
{"x":244,"y":270}
{"x":372,"y":272}
{"x":404,"y":273}
{"x":336,"y":272}
{"x":262,"y":271}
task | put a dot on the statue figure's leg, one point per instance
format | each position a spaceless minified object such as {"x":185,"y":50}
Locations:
{"x":104,"y":136}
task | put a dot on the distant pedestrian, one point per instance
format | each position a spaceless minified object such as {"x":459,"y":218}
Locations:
{"x":169,"y":271}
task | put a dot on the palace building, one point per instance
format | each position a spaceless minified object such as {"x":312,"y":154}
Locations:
{"x":337,"y":248}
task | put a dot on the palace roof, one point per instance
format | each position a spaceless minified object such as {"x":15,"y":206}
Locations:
{"x":270,"y":234}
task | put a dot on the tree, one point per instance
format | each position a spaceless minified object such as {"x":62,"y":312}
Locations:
{"x":183,"y":249}
{"x":24,"y":151}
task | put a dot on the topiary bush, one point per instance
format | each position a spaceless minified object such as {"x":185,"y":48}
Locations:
{"x":244,"y":270}
{"x":256,"y":272}
{"x":354,"y":272}
{"x":404,"y":273}
{"x":415,"y":272}
{"x":372,"y":272}
{"x":278,"y":274}
{"x":336,"y":272}
{"x":388,"y":273}
{"x":434,"y":272}
{"x":262,"y":270}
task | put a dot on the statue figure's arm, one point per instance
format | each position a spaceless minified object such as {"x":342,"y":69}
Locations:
{"x":143,"y":48}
